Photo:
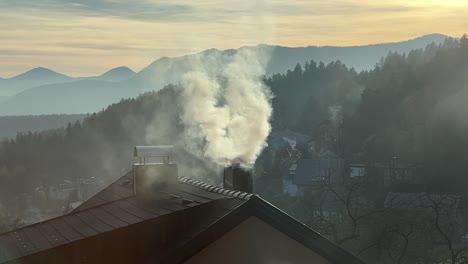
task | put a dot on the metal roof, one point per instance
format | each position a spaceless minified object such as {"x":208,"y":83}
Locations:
{"x":112,"y":208}
{"x":213,"y":212}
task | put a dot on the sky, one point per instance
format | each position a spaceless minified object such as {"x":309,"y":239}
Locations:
{"x":89,"y":37}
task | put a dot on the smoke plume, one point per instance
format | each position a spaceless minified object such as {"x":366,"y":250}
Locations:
{"x":226,"y":117}
{"x":335,"y":113}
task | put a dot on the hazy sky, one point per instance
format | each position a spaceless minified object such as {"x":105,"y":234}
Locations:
{"x":87,"y":37}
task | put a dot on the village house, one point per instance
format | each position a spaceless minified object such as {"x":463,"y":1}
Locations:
{"x":307,"y":174}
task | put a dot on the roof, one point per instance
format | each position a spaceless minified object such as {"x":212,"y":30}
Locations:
{"x":309,"y":171}
{"x":195,"y":213}
{"x":398,"y":200}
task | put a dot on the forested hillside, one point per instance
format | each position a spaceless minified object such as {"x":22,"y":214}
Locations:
{"x":11,"y":125}
{"x":410,"y":106}
{"x":413,"y":108}
{"x":101,"y":145}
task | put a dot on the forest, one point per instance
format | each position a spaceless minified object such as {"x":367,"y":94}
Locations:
{"x":410,"y":107}
{"x":11,"y":125}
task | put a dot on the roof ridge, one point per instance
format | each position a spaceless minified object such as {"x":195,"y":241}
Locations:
{"x":215,"y":189}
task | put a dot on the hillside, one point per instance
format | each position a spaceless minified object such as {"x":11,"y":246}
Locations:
{"x":93,"y":96}
{"x":10,"y":126}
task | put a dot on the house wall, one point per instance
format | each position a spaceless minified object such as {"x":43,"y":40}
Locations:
{"x":254,"y":241}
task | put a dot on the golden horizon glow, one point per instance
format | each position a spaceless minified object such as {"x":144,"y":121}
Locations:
{"x":87,"y":38}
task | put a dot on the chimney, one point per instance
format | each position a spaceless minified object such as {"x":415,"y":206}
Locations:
{"x":238,"y":179}
{"x":153,"y":168}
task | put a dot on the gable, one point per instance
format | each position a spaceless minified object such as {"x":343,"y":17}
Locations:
{"x":254,"y":241}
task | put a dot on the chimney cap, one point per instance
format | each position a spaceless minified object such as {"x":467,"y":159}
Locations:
{"x":153,"y":151}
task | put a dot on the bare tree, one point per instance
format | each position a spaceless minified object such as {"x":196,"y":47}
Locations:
{"x":447,"y":224}
{"x":341,"y":210}
{"x":399,"y":240}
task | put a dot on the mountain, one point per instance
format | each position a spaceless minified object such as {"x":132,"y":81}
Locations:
{"x":117,"y":74}
{"x":42,"y":76}
{"x":77,"y":97}
{"x":168,"y":70}
{"x":358,"y":57}
{"x":35,"y":77}
{"x":93,"y":94}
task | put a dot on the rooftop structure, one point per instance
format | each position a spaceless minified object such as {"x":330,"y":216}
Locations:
{"x":170,"y":220}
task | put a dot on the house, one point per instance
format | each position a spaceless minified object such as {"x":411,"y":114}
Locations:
{"x":397,"y":174}
{"x":393,"y":176}
{"x":357,"y":170}
{"x":289,"y":188}
{"x":307,"y":173}
{"x":153,"y":215}
{"x":313,"y":171}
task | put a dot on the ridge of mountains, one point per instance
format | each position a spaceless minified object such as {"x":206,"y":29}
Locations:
{"x":42,"y":76}
{"x":43,"y":91}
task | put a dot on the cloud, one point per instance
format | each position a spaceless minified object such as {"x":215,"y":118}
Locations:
{"x":203,"y":10}
{"x":79,"y":36}
{"x":139,"y":10}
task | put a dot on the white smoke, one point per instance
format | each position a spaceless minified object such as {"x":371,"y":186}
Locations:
{"x":335,"y":113}
{"x":227,"y":117}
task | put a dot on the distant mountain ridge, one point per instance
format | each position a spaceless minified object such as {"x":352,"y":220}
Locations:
{"x":359,"y":57}
{"x":168,"y":70}
{"x":93,"y":94}
{"x":42,"y":76}
{"x":117,"y":74}
{"x":40,"y":73}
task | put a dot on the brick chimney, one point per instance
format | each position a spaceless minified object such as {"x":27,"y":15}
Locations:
{"x":238,"y":179}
